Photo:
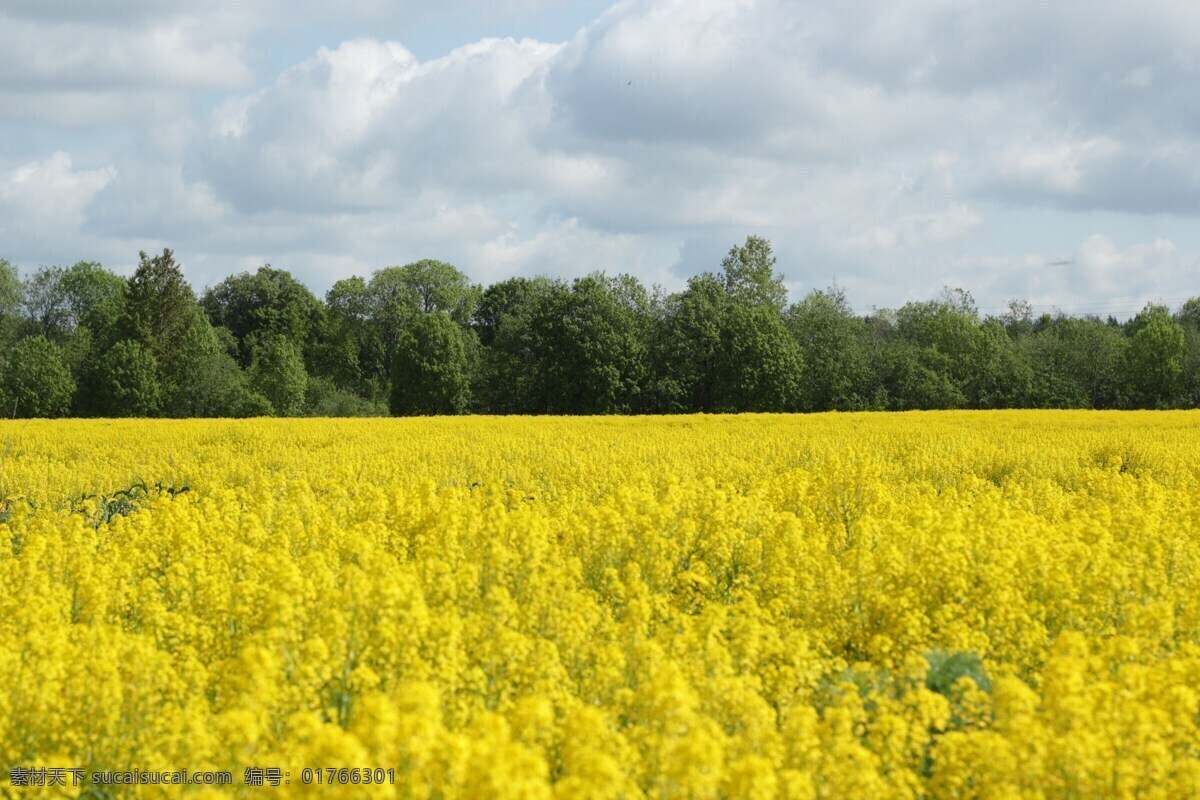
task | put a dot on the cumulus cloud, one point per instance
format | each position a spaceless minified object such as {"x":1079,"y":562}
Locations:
{"x":40,"y":200}
{"x":1099,"y":276}
{"x":682,"y":71}
{"x":69,"y":56}
{"x":366,"y":125}
{"x":870,"y":141}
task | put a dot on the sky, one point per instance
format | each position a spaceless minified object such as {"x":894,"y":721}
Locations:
{"x":1048,"y":151}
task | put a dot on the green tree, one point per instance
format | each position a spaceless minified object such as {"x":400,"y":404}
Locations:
{"x":126,"y":382}
{"x":576,"y":350}
{"x":597,"y":345}
{"x":836,"y":356}
{"x":395,"y":295}
{"x":1189,"y":320}
{"x":277,"y":373}
{"x":698,"y":338}
{"x":45,"y":304}
{"x":501,"y":301}
{"x":686,"y":346}
{"x":1157,"y":354}
{"x":437,"y":286}
{"x":1017,"y":321}
{"x":568,"y":349}
{"x":346,"y":346}
{"x":1076,"y":363}
{"x":941,"y":366}
{"x":160,"y":309}
{"x":36,"y":381}
{"x":1002,"y":374}
{"x":210,"y":383}
{"x":906,"y":375}
{"x":323,"y":398}
{"x":269,"y":303}
{"x":914,"y":377}
{"x":429,"y":373}
{"x":750,"y":277}
{"x":77,"y":308}
{"x":1189,"y":314}
{"x":505,"y":381}
{"x":10,"y":303}
{"x":759,"y":365}
{"x":94,"y":298}
{"x":391,"y":305}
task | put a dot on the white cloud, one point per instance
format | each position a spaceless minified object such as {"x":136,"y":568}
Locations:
{"x":1140,"y":273}
{"x":41,"y":200}
{"x":1054,"y":167}
{"x":71,"y":57}
{"x":866,"y":139}
{"x":1098,"y":276}
{"x":570,"y":250}
{"x":366,"y":125}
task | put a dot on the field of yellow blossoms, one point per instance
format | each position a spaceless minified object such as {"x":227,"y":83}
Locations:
{"x":926,"y":605}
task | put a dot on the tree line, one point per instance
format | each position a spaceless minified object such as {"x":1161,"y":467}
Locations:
{"x":423,"y":339}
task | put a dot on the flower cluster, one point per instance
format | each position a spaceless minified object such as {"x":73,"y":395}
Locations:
{"x":951,"y":605}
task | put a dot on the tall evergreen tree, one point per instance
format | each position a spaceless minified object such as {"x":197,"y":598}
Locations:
{"x":160,"y":308}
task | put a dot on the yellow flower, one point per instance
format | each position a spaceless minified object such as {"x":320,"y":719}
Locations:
{"x":928,"y":605}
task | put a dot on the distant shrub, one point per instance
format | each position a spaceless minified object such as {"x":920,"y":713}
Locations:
{"x":946,"y":668}
{"x":323,"y":398}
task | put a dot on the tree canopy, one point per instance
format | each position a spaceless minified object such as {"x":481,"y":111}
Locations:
{"x":422,"y":338}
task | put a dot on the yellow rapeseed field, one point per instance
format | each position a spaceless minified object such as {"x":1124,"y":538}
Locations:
{"x":925,"y":605}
